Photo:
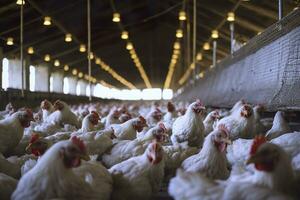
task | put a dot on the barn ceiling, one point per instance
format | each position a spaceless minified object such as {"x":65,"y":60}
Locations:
{"x":151,"y":25}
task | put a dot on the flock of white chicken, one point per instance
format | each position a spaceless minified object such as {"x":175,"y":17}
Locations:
{"x":118,"y":151}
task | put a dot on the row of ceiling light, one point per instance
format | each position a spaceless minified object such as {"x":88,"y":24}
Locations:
{"x":176,"y":51}
{"x":82,"y":48}
{"x":129,"y":46}
{"x":206,"y":46}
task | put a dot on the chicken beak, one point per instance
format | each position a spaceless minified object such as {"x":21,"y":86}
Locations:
{"x":227,"y":141}
{"x":28,"y":147}
{"x":85,"y":157}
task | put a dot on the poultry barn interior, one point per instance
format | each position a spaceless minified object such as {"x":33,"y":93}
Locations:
{"x":158,"y":100}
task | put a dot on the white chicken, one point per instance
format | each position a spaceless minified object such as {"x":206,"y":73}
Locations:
{"x":129,"y":129}
{"x":97,"y":176}
{"x":189,"y":127}
{"x":210,"y":120}
{"x":211,"y":160}
{"x":9,"y":168}
{"x":53,"y":177}
{"x":112,"y":118}
{"x":237,"y":106}
{"x":259,"y":128}
{"x":154,"y":116}
{"x":171,"y":115}
{"x":272,"y":179}
{"x":47,"y":109}
{"x":139,"y":177}
{"x":239,"y":123}
{"x":175,"y":155}
{"x":7,"y":186}
{"x":280,"y":126}
{"x":126,"y":149}
{"x":97,"y":142}
{"x":12,"y":130}
{"x":9,"y":109}
{"x":62,"y":115}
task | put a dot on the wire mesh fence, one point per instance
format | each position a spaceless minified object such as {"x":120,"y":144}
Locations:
{"x":266,"y":70}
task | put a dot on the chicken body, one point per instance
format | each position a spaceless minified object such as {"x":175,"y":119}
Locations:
{"x":53,"y":177}
{"x":125,"y":149}
{"x":239,"y":123}
{"x":211,"y":160}
{"x":63,"y":115}
{"x":12,"y":130}
{"x":7,"y":186}
{"x":279,"y":127}
{"x":276,"y":182}
{"x":139,"y":177}
{"x":189,"y":127}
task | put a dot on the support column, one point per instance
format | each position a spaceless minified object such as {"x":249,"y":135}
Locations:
{"x":1,"y":61}
{"x":26,"y":74}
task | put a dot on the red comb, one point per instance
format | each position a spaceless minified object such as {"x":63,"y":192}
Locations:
{"x":34,"y":138}
{"x":96,"y":114}
{"x":258,"y":140}
{"x":78,"y":142}
{"x":162,"y":126}
{"x":142,"y":119}
{"x":223,"y":128}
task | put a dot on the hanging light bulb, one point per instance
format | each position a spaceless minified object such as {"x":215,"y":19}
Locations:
{"x":230,"y":17}
{"x":174,"y":56}
{"x":82,"y":48}
{"x":47,"y":58}
{"x":176,"y":51}
{"x":80,"y":74}
{"x":182,"y":15}
{"x":66,"y":68}
{"x":74,"y":72}
{"x":206,"y":46}
{"x":124,"y":35}
{"x":98,"y":61}
{"x":179,"y":33}
{"x":116,"y":17}
{"x":129,"y":46}
{"x":30,"y":50}
{"x":133,"y":56}
{"x":177,"y":45}
{"x":201,"y":74}
{"x":68,"y":37}
{"x":47,"y":21}
{"x":215,"y":34}
{"x":91,"y":56}
{"x":56,"y":63}
{"x":199,"y":56}
{"x":10,"y":41}
{"x":20,"y":2}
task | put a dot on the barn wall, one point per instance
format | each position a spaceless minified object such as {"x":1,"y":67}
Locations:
{"x":266,"y":70}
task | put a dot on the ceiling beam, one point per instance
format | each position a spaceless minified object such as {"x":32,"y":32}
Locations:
{"x":259,"y":10}
{"x":17,"y":27}
{"x":36,"y":42}
{"x":249,"y":25}
{"x":7,"y":7}
{"x":239,"y":20}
